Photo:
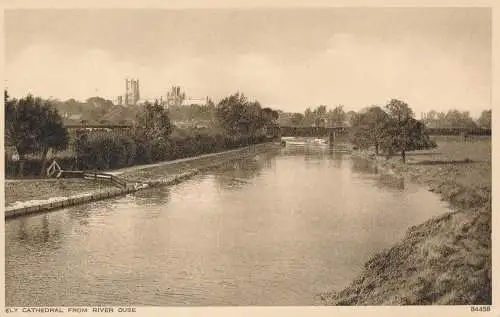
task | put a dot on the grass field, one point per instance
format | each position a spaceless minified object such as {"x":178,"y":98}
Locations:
{"x":473,"y":169}
{"x":40,"y":189}
{"x":446,"y":260}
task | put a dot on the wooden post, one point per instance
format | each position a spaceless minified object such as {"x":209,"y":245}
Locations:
{"x":331,"y":140}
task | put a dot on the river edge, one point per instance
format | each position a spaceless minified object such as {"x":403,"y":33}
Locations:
{"x":445,"y":260}
{"x":181,"y":170}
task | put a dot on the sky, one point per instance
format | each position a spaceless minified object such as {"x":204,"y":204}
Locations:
{"x":288,"y":59}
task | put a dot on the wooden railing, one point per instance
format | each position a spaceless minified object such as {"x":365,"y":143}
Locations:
{"x":96,"y":176}
{"x":105,"y":177}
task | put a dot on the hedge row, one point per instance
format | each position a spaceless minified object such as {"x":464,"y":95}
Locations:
{"x":108,"y":150}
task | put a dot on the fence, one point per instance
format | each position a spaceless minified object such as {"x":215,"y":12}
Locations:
{"x":104,"y":177}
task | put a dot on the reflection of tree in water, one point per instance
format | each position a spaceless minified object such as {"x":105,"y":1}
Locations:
{"x":154,"y":196}
{"x":392,"y":182}
{"x":236,"y":174}
{"x":81,"y":213}
{"x":363,"y":166}
{"x":367,"y":167}
{"x":337,"y":158}
{"x":40,"y":232}
{"x":316,"y":154}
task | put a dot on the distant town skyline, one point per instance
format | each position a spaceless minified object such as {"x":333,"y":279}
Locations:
{"x":288,"y":59}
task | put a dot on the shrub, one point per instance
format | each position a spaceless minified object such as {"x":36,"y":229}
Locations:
{"x":105,"y":150}
{"x":111,"y":150}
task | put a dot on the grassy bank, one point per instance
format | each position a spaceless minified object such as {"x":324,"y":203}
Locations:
{"x":446,"y":260}
{"x":18,"y":191}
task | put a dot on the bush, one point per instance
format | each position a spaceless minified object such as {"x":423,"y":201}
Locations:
{"x":105,"y":150}
{"x":112,"y":150}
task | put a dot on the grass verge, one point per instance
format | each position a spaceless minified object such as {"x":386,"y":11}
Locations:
{"x":18,"y":191}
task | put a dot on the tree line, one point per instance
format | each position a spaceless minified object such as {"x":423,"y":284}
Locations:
{"x":321,"y":116}
{"x":33,"y":126}
{"x":456,"y":119}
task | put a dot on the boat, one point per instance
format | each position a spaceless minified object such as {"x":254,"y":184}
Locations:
{"x":304,"y":142}
{"x":295,"y":143}
{"x":320,"y":142}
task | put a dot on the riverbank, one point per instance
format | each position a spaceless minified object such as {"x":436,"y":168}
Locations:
{"x":446,"y":260}
{"x":45,"y":195}
{"x":20,"y":191}
{"x":157,"y":172}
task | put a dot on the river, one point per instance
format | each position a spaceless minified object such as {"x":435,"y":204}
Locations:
{"x":275,"y":229}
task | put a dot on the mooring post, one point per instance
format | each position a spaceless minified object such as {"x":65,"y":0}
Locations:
{"x":331,"y":140}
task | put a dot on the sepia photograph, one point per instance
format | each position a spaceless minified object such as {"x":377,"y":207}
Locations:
{"x":269,"y":156}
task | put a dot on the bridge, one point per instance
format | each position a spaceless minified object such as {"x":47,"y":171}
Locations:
{"x":106,"y":127}
{"x":303,"y":131}
{"x":312,"y":131}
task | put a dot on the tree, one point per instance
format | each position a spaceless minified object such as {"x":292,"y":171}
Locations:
{"x":239,"y":116}
{"x":430,"y":119}
{"x":458,"y":119}
{"x":297,"y":119}
{"x":320,"y":115}
{"x":269,"y":116}
{"x":9,"y":105}
{"x":337,"y":116}
{"x":153,"y":122}
{"x":484,"y":120}
{"x":230,"y":112}
{"x":402,"y":132}
{"x":34,"y":126}
{"x":453,"y":118}
{"x":441,"y":120}
{"x":368,"y":128}
{"x":351,"y":117}
{"x":308,"y":117}
{"x":152,"y":129}
{"x":252,"y":116}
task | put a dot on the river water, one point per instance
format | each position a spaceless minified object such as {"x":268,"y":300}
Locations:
{"x":275,"y":229}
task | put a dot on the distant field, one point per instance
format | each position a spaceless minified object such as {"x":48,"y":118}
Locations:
{"x":475,"y":148}
{"x":476,"y":174}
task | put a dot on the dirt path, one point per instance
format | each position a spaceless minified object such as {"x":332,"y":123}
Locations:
{"x":183,"y":160}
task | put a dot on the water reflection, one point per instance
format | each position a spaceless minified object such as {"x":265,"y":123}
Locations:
{"x":81,"y":213}
{"x":39,"y":232}
{"x":392,"y":182}
{"x":364,"y":166}
{"x":158,"y":196}
{"x":307,"y":151}
{"x":316,"y":155}
{"x":371,"y":171}
{"x":237,"y":174}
